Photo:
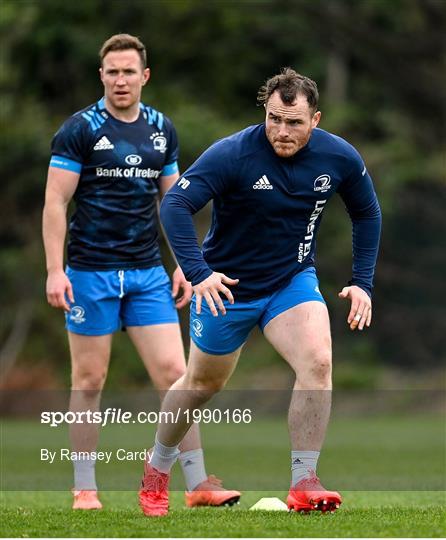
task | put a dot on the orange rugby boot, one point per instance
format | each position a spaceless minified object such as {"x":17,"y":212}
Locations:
{"x":154,"y":494}
{"x":86,"y":499}
{"x":309,"y":494}
{"x":211,"y":493}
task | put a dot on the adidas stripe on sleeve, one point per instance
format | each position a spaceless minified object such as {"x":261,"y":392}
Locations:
{"x":61,"y":162}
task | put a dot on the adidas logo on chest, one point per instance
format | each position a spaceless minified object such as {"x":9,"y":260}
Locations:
{"x":263,"y":183}
{"x":103,"y":144}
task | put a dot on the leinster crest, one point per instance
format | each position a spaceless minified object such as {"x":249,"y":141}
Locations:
{"x":159,"y":141}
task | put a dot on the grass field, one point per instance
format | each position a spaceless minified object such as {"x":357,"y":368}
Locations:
{"x":390,"y":470}
{"x":363,"y":514}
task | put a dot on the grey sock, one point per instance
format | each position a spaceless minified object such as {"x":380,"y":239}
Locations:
{"x":84,"y":474}
{"x":303,"y":462}
{"x":192,"y":464}
{"x":163,"y":457}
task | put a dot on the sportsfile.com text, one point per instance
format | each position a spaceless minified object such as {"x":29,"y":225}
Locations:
{"x":113,"y":415}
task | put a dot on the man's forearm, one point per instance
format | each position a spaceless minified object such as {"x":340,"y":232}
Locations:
{"x":54,"y":228}
{"x":178,"y":225}
{"x":366,"y":236}
{"x":163,"y":231}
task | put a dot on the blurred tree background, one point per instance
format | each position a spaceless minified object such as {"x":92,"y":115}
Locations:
{"x":380,"y":67}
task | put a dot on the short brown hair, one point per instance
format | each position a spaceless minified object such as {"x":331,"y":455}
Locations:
{"x":123,"y":42}
{"x":290,"y":84}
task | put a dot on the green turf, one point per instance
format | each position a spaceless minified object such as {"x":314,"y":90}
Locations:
{"x":363,"y":514}
{"x":402,"y":457}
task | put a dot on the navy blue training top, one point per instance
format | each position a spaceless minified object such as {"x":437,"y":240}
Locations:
{"x":267,"y":210}
{"x":115,"y":221}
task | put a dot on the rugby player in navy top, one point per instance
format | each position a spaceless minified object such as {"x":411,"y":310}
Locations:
{"x":269,"y":184}
{"x":114,"y":158}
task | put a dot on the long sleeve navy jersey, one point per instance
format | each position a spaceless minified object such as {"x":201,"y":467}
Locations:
{"x":267,"y":210}
{"x":115,"y":221}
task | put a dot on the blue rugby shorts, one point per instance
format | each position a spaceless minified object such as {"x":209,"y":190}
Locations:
{"x":105,"y":301}
{"x":226,"y":333}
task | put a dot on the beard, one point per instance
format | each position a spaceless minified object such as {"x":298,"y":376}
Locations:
{"x":285,"y":148}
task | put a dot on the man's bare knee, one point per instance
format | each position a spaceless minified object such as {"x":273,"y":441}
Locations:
{"x":88,"y":381}
{"x":321,"y":368}
{"x":204,"y":386}
{"x":315,"y":373}
{"x":172,"y":374}
{"x":89,"y":361}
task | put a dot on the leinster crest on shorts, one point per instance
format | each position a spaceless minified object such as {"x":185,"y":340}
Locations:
{"x":77,"y":314}
{"x":197,"y":327}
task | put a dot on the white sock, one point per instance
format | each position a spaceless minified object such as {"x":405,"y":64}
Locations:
{"x":192,"y":464}
{"x":84,"y":474}
{"x":303,"y":462}
{"x":163,"y":457}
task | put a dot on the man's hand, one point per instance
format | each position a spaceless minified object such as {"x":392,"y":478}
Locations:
{"x":57,"y":285}
{"x":180,"y":282}
{"x":210,"y":288}
{"x":361,"y":308}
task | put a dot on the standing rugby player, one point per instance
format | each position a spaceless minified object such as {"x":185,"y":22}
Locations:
{"x":269,"y":184}
{"x":115,"y":158}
